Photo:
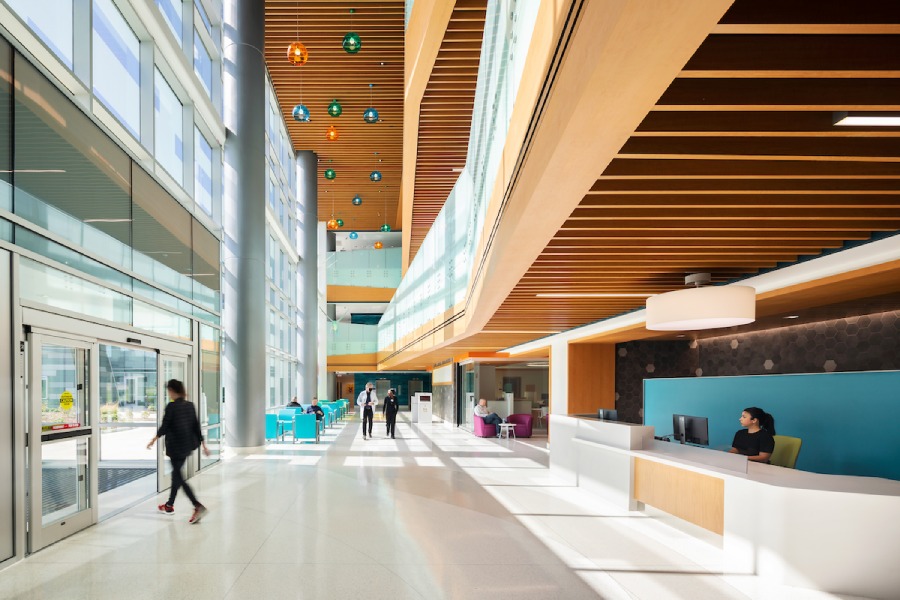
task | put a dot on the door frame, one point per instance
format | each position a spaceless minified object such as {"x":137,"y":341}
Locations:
{"x":40,"y":536}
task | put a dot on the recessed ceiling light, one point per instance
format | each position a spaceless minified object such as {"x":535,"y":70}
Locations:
{"x":792,"y":317}
{"x":680,"y":335}
{"x":867,"y":119}
{"x":586,"y":295}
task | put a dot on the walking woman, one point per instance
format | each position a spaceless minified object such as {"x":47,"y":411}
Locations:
{"x":182,"y":430}
{"x":390,"y":409}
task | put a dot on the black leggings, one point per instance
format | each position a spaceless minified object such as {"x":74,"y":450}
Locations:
{"x":391,"y":419}
{"x":178,"y":482}
{"x":368,"y":415}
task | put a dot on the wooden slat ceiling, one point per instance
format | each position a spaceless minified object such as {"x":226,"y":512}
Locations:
{"x":445,"y":116}
{"x":330,"y":74}
{"x":739,"y":166}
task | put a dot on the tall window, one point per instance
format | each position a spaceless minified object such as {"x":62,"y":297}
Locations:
{"x":203,"y":16}
{"x":168,"y":117}
{"x":116,"y":65}
{"x":173,"y":14}
{"x":52,"y":21}
{"x":202,"y":172}
{"x":202,"y":63}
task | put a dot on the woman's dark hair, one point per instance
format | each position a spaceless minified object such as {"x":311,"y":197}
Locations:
{"x":177,"y":387}
{"x":766,"y":421}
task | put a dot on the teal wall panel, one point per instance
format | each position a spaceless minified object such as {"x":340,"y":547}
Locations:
{"x":848,"y":421}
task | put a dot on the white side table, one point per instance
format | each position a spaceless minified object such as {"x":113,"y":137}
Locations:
{"x":507,"y":428}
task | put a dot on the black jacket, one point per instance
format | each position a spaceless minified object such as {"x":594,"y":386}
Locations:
{"x":391,"y":405}
{"x":181,"y":428}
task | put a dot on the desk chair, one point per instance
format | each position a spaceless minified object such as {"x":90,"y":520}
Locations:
{"x":786,"y":450}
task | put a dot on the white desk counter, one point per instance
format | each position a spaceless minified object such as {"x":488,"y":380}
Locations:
{"x":834,"y":533}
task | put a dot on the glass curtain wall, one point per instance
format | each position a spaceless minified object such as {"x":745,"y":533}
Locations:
{"x":282,"y":362}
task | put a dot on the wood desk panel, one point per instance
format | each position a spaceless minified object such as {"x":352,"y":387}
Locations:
{"x":694,"y":497}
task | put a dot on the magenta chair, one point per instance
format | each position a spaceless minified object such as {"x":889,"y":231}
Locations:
{"x":522,"y":425}
{"x":482,"y":429}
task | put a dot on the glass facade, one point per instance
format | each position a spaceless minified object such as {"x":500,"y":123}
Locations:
{"x":282,"y":260}
{"x":117,"y":65}
{"x":168,"y":120}
{"x":173,"y":14}
{"x":53,"y":22}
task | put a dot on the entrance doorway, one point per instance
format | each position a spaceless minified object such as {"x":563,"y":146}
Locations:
{"x":93,"y":407}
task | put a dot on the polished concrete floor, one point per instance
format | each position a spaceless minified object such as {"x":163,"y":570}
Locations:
{"x":436,"y":513}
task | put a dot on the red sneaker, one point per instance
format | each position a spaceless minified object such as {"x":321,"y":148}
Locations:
{"x":166,"y":509}
{"x":199,"y":511}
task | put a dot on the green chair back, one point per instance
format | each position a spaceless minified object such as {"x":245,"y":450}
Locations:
{"x":786,"y":451}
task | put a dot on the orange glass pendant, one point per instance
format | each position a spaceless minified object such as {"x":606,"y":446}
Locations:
{"x":332,"y":135}
{"x":297,"y":54}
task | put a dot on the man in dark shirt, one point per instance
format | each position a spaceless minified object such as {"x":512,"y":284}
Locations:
{"x":181,"y":429}
{"x":294,"y":404}
{"x":390,"y":409}
{"x":315,"y":408}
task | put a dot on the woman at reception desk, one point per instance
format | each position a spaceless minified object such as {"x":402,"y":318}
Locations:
{"x":834,"y":533}
{"x":757,"y":441}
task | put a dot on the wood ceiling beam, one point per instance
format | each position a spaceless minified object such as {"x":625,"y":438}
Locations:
{"x":694,"y":186}
{"x":727,"y":200}
{"x":792,"y":169}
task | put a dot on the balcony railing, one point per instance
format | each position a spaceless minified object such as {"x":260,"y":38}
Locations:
{"x":350,"y":338}
{"x":365,"y":268}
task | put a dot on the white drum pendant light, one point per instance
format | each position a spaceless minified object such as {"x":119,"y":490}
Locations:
{"x":701,"y":307}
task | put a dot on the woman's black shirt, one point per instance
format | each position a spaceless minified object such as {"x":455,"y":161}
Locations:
{"x":752,"y":444}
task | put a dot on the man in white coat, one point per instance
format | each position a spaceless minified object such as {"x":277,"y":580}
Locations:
{"x":367,"y":401}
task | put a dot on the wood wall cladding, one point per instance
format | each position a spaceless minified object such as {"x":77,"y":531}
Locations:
{"x":694,"y":497}
{"x":739,"y":167}
{"x":331,"y":74}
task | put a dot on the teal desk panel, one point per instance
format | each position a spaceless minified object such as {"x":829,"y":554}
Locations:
{"x":849,"y":422}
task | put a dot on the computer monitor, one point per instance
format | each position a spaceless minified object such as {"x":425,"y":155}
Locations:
{"x":691,"y":430}
{"x":607,"y":414}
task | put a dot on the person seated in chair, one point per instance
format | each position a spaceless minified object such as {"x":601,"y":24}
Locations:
{"x":490,"y":418}
{"x":315,"y":408}
{"x":293,"y":403}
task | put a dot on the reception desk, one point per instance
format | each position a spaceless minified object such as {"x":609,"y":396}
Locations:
{"x":834,"y":533}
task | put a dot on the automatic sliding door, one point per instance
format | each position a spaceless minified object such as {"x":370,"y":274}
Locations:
{"x":60,"y":436}
{"x":129,"y":400}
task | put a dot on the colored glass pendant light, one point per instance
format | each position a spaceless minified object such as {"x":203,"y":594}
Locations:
{"x":330,"y":174}
{"x":370,"y":115}
{"x":297,"y":54}
{"x":301,"y":113}
{"x":357,"y":200}
{"x":385,"y":228}
{"x":352,"y":43}
{"x":332,"y":135}
{"x":378,"y":245}
{"x":334,"y":109}
{"x":375,"y":175}
{"x":353,"y":235}
{"x":331,"y":224}
{"x":340,"y":222}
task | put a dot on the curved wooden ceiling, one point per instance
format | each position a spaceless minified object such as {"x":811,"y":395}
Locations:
{"x":330,"y":74}
{"x":445,"y":116}
{"x":739,"y":168}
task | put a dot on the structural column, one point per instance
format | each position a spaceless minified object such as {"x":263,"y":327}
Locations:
{"x":245,"y":224}
{"x":307,"y":196}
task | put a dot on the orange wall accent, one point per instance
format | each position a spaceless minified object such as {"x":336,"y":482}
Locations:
{"x":592,"y":377}
{"x":347,"y":293}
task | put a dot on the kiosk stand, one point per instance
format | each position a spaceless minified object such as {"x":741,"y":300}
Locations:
{"x":421,"y":407}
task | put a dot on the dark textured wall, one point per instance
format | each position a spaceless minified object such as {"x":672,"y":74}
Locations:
{"x":863,"y":343}
{"x":399,"y":381}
